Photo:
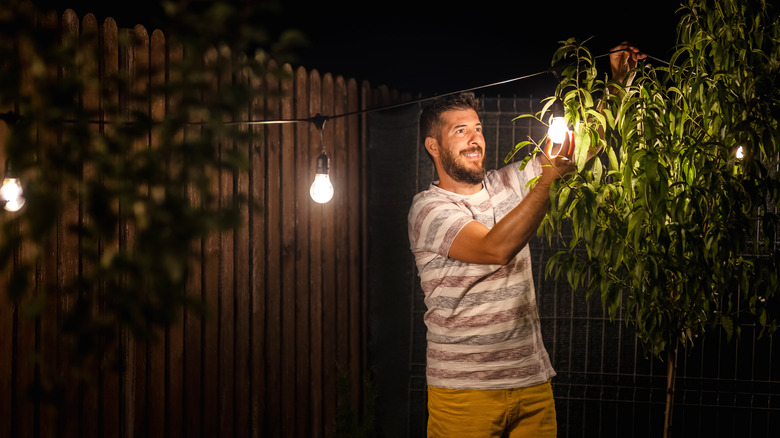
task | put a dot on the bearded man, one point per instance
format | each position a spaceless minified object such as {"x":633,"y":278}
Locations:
{"x":488,"y":372}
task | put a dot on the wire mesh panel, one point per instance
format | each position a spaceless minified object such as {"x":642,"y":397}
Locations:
{"x":606,"y":384}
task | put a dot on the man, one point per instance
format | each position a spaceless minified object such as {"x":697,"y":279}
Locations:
{"x":487,"y":369}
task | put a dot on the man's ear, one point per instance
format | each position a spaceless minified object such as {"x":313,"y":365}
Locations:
{"x":432,"y":146}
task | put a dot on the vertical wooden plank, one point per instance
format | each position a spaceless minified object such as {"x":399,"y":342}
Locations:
{"x":226,"y":329}
{"x":302,"y":202}
{"x":68,"y":263}
{"x":257,"y":182}
{"x":23,"y":412}
{"x":329,"y":310}
{"x":243,"y":288}
{"x":211,"y":272}
{"x":288,"y":224}
{"x":354,"y":189}
{"x":273,"y":353}
{"x":68,"y":272}
{"x":7,"y":308}
{"x":315,"y":266}
{"x":137,"y":350}
{"x":155,"y":365}
{"x":110,"y":392}
{"x":341,"y":244}
{"x":194,"y":324}
{"x":365,"y":99}
{"x":7,"y":332}
{"x":52,"y":354}
{"x":88,"y":42}
{"x":174,"y":359}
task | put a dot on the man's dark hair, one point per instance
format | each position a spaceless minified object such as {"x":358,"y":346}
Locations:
{"x":431,"y":115}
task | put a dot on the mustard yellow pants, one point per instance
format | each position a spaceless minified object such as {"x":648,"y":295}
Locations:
{"x":472,"y":413}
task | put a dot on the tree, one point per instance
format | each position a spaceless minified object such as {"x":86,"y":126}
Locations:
{"x":675,"y":218}
{"x":143,"y":164}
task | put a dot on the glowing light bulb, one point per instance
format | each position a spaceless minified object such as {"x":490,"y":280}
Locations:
{"x":740,"y":153}
{"x":321,"y":190}
{"x":11,"y":193}
{"x":557,"y":130}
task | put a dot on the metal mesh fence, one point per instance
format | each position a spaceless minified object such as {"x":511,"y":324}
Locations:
{"x":606,"y":385}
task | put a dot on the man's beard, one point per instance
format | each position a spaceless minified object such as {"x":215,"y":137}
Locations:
{"x":460,"y":173}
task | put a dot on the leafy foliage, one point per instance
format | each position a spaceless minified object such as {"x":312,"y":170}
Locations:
{"x":666,"y":222}
{"x":147,"y":183}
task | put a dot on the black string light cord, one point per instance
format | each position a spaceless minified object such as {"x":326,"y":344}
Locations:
{"x":319,"y":120}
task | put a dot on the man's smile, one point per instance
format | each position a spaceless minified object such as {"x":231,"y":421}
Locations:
{"x":473,"y":153}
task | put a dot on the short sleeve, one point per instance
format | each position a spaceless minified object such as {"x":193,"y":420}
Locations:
{"x":434,"y":221}
{"x":518,"y":179}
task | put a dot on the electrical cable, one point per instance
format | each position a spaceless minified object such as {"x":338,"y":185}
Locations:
{"x":319,"y":120}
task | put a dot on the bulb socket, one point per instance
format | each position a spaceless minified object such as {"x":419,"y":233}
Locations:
{"x":323,"y":164}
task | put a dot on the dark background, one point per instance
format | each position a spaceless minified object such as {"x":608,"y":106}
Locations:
{"x":434,"y":47}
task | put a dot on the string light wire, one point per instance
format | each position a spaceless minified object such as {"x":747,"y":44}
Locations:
{"x":319,"y":120}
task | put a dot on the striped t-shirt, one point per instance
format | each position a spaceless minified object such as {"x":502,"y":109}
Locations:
{"x":483,"y":322}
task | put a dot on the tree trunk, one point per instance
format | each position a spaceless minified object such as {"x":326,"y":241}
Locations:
{"x":671,"y":376}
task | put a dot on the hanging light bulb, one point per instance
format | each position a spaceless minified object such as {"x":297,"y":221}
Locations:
{"x":321,"y":190}
{"x":11,"y":192}
{"x":557,"y":130}
{"x":740,"y":154}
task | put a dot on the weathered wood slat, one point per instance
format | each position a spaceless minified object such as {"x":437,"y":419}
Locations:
{"x":89,"y":43}
{"x":7,"y":311}
{"x":341,"y":211}
{"x":273,"y":279}
{"x":329,"y":304}
{"x":257,"y":259}
{"x":137,"y":351}
{"x":175,"y":339}
{"x":226,"y":299}
{"x":288,"y":225}
{"x":315,"y":267}
{"x":62,"y":263}
{"x":194,"y":324}
{"x":25,"y":410}
{"x":156,"y":350}
{"x":211,"y":275}
{"x":302,"y":268}
{"x":110,"y":422}
{"x":243,"y":286}
{"x":354,"y":264}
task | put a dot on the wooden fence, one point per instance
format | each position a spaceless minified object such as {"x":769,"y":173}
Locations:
{"x":286,"y":291}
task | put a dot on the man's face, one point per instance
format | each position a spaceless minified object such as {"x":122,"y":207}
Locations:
{"x":462,"y":146}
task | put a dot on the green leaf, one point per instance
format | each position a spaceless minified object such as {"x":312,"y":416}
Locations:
{"x":514,"y":151}
{"x":563,"y":197}
{"x":613,"y":162}
{"x":597,"y":171}
{"x":581,"y":148}
{"x":728,"y":326}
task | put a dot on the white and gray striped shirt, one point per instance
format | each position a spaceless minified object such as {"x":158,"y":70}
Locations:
{"x":483,"y":322}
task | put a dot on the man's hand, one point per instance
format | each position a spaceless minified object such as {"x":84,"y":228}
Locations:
{"x":622,"y":59}
{"x":558,"y":160}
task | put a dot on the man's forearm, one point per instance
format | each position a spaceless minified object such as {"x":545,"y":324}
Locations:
{"x":476,"y":243}
{"x":517,"y":228}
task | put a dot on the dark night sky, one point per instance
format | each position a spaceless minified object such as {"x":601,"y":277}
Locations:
{"x":434,"y":47}
{"x":456,"y":45}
